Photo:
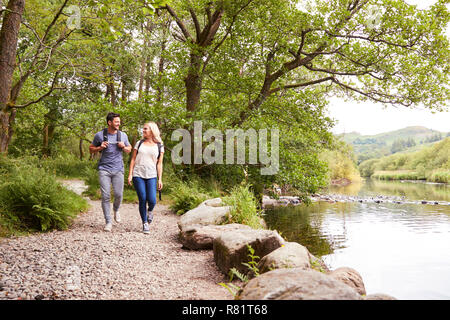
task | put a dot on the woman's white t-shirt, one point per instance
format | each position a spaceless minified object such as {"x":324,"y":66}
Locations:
{"x":146,"y":160}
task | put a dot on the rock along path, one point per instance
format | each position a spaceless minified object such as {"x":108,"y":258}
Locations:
{"x":84,"y":262}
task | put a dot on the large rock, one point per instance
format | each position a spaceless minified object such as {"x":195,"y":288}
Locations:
{"x":208,"y":212}
{"x":230,"y":248}
{"x":350,"y":277}
{"x":318,"y":264}
{"x":201,"y":237}
{"x":296,"y":284}
{"x":291,"y":255}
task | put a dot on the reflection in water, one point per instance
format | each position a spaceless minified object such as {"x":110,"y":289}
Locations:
{"x":399,"y":249}
{"x":417,"y":190}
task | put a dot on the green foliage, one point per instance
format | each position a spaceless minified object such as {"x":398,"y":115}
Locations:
{"x":383,"y":144}
{"x":268,"y":64}
{"x":341,"y":162}
{"x":90,"y":176}
{"x":32,"y":199}
{"x":252,"y":265}
{"x":244,"y":207}
{"x":186,"y":196}
{"x":430,"y":163}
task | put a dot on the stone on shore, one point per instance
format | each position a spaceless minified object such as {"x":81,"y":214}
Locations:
{"x":230,"y":248}
{"x":296,"y":284}
{"x":350,"y":277}
{"x":282,"y":201}
{"x":208,"y":212}
{"x":291,"y":255}
{"x":197,"y":237}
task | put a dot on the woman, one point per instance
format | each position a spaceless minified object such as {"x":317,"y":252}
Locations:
{"x":146,"y":171}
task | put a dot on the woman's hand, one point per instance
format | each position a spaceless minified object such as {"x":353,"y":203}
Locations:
{"x":160,"y":184}
{"x":130,"y":179}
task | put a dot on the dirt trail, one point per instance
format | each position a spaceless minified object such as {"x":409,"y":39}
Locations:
{"x":84,"y":262}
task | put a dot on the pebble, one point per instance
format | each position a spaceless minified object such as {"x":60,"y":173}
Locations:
{"x":122,"y":264}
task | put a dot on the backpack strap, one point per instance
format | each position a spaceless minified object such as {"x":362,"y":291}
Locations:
{"x":160,"y":145}
{"x":139,"y":145}
{"x":105,"y":135}
{"x":159,"y":149}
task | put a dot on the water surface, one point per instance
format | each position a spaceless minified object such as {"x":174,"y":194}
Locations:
{"x":399,"y":249}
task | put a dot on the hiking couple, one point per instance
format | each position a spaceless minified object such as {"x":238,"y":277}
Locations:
{"x":145,"y":168}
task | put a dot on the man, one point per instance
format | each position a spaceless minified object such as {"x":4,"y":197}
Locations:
{"x":111,"y":143}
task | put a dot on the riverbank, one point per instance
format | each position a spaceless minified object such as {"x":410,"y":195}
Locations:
{"x":84,"y":262}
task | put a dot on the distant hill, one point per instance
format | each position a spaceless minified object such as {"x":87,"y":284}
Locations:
{"x":383,"y":144}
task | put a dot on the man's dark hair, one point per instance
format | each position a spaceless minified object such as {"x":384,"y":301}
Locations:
{"x":111,"y":116}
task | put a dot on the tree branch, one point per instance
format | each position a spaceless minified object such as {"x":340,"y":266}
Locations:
{"x":52,"y":87}
{"x":298,"y":85}
{"x":180,"y":24}
{"x":196,"y":24}
{"x":372,"y":95}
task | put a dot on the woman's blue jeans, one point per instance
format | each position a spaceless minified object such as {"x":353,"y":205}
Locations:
{"x":146,"y":192}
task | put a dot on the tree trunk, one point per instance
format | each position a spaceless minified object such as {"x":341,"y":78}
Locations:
{"x":8,"y":47}
{"x":6,"y":128}
{"x":193,"y":82}
{"x":48,"y":133}
{"x":141,"y":78}
{"x":80,"y":146}
{"x":160,"y":72}
{"x":45,"y":150}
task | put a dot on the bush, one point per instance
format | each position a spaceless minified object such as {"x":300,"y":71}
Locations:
{"x":32,"y":199}
{"x":67,"y":166}
{"x":186,"y":196}
{"x":244,"y":207}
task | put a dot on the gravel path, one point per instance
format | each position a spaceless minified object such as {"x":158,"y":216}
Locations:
{"x":85,"y":262}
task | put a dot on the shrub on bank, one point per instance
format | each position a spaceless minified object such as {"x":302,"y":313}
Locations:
{"x":186,"y":196}
{"x":31,"y":199}
{"x":244,"y":207}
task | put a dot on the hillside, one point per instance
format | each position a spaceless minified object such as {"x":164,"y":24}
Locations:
{"x":430,"y":163}
{"x":383,"y":144}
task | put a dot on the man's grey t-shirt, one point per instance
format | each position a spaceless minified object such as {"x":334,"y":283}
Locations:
{"x":111,"y":160}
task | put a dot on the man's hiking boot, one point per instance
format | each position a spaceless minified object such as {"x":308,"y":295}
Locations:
{"x":108,"y":227}
{"x":117,"y":216}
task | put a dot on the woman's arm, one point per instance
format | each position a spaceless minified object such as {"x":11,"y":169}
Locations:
{"x":159,"y":170}
{"x":132,"y":162}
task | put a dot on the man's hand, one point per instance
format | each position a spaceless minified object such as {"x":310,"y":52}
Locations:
{"x":104,"y":145}
{"x":121,"y":145}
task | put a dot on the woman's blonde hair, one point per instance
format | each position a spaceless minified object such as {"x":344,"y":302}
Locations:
{"x":155,"y":131}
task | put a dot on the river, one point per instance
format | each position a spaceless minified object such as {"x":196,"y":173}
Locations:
{"x":401,"y":249}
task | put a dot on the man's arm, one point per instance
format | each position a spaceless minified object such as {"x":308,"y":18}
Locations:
{"x":97,"y":145}
{"x":94,"y":149}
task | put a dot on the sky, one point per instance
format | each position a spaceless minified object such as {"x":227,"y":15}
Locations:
{"x":371,"y":118}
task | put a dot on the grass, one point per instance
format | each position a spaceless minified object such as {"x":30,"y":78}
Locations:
{"x":243,"y":207}
{"x":398,"y":175}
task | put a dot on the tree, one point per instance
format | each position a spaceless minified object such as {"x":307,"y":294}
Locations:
{"x":8,"y":46}
{"x":272,"y":63}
